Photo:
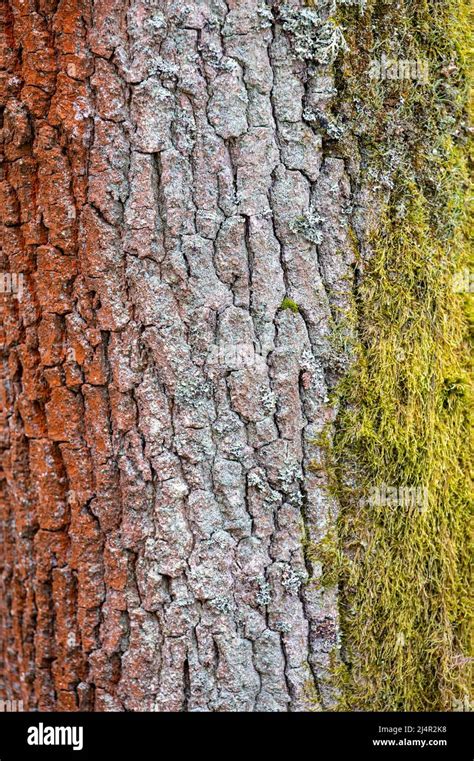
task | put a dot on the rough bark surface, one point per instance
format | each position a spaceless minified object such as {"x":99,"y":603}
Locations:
{"x":163,"y":194}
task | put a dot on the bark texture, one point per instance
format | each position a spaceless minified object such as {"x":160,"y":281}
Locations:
{"x":183,"y":230}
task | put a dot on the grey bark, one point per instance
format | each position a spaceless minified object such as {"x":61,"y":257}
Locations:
{"x":224,"y":188}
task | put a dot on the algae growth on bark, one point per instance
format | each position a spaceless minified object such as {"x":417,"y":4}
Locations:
{"x":235,"y":391}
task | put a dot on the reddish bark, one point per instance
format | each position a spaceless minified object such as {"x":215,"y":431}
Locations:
{"x":46,"y":137}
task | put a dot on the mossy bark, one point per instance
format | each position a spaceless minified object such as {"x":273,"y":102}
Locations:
{"x":237,"y":319}
{"x":404,"y":419}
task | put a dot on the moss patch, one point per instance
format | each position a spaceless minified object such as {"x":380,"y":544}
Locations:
{"x":289,"y":304}
{"x":405,"y":423}
{"x":404,"y":405}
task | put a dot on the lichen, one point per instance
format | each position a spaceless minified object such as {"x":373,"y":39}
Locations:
{"x":268,"y":399}
{"x":314,"y":37}
{"x":290,"y":475}
{"x":224,"y":605}
{"x":255,"y":479}
{"x":264,"y":593}
{"x":292,"y":580}
{"x":309,"y":226}
{"x":282,"y":627}
{"x":266,"y":16}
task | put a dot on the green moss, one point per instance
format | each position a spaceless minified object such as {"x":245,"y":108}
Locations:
{"x":328,"y":555}
{"x":311,"y":695}
{"x":405,"y":422}
{"x":403,"y":573}
{"x":289,"y":304}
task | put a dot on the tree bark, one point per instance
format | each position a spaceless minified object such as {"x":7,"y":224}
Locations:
{"x":160,"y":404}
{"x":185,"y":233}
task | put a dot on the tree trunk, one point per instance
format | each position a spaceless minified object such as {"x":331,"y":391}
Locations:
{"x":189,"y":232}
